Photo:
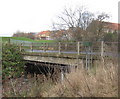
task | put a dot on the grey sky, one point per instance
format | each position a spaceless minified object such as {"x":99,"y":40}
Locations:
{"x":37,"y":15}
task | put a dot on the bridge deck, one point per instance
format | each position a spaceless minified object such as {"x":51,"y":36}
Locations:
{"x":62,"y":55}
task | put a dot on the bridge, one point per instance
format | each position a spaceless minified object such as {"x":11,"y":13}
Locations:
{"x":67,"y":54}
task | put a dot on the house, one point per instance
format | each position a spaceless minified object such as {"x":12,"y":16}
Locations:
{"x":107,"y":27}
{"x":60,"y":35}
{"x":68,"y":34}
{"x":43,"y":35}
{"x":112,"y":27}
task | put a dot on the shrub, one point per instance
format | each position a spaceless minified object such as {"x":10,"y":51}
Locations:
{"x":110,"y":37}
{"x":12,"y":63}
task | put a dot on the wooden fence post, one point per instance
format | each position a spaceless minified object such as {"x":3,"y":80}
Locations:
{"x":66,"y":45}
{"x":59,"y":45}
{"x":102,"y":48}
{"x":20,"y":47}
{"x":86,"y":61}
{"x":62,"y":75}
{"x":78,"y":48}
{"x":9,"y":41}
{"x":32,"y":47}
{"x":44,"y":48}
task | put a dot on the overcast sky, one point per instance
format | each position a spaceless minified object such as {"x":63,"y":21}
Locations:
{"x":37,"y":15}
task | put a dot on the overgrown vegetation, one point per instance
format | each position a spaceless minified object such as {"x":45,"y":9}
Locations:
{"x":12,"y":62}
{"x":111,"y":37}
{"x":79,"y":83}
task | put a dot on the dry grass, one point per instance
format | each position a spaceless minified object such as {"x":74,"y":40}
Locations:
{"x":30,"y":87}
{"x":103,"y":82}
{"x":81,"y":83}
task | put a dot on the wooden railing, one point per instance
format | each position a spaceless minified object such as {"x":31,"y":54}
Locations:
{"x":95,"y":48}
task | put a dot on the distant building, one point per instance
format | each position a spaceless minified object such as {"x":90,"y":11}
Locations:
{"x":44,"y":35}
{"x":108,"y":27}
{"x":112,"y":27}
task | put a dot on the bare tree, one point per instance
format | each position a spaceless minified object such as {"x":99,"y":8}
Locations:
{"x":96,"y":29}
{"x":80,"y":24}
{"x":30,"y":35}
{"x":75,"y":21}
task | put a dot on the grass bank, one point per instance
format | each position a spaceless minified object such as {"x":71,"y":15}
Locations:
{"x":6,"y":39}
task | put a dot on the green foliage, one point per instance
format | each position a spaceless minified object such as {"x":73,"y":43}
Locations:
{"x":110,"y":37}
{"x":12,"y":63}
